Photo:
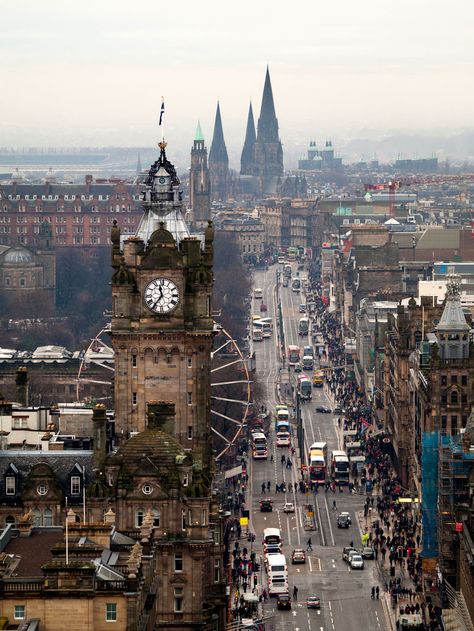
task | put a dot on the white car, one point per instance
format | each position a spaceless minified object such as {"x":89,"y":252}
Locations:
{"x":289,"y":507}
{"x":357,"y":562}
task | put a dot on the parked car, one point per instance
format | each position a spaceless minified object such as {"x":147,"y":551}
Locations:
{"x":357,"y":562}
{"x":368,"y":552}
{"x":343,"y":520}
{"x":323,"y":409}
{"x":289,"y":507}
{"x":284,"y":601}
{"x":313,"y":602}
{"x":266,"y":506}
{"x":298,"y":556}
{"x":302,"y":308}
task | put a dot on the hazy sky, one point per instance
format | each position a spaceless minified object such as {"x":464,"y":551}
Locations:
{"x":91,"y":73}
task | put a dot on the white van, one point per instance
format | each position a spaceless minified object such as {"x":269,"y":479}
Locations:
{"x":276,"y":564}
{"x":272,"y":536}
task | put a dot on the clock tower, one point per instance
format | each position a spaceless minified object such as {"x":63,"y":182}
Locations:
{"x":162,"y":329}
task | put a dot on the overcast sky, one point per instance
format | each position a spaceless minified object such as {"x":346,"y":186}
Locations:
{"x":93,"y":72}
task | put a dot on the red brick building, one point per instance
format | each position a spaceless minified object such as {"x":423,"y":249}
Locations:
{"x":79,"y":215}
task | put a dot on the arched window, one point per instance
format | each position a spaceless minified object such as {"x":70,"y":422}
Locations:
{"x":38,"y":515}
{"x":454,"y":396}
{"x":10,"y":520}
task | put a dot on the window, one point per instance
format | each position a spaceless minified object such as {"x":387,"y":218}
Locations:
{"x":156,"y":518}
{"x":454,"y":378}
{"x":178,"y":562}
{"x":10,"y":485}
{"x":464,"y":399}
{"x":444,"y":398}
{"x":454,"y":424}
{"x":48,"y":517}
{"x":19,"y":612}
{"x":444,"y":380}
{"x":204,"y":517}
{"x":22,"y":282}
{"x":183,"y":519}
{"x":134,"y":361}
{"x":139,"y":515}
{"x":190,"y":398}
{"x":185,"y":479}
{"x":190,"y":432}
{"x":464,"y":380}
{"x":454,"y":396}
{"x":217,"y":570}
{"x":134,"y":398}
{"x":75,"y":485}
{"x":444,"y":422}
{"x":178,"y":599}
{"x":464,"y":420}
{"x":190,"y":361}
{"x":111,"y":612}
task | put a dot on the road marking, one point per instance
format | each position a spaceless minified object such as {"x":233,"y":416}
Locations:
{"x":329,"y":520}
{"x":310,"y":566}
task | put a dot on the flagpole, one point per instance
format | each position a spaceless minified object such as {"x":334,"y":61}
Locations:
{"x":67,"y":536}
{"x":84,"y":495}
{"x":162,"y":123}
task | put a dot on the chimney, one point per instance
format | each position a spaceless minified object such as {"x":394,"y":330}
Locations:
{"x":161,"y":415}
{"x":99,"y":428}
{"x":21,"y":382}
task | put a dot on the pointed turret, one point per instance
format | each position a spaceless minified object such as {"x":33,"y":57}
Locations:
{"x":267,"y":123}
{"x":219,"y":161}
{"x":453,"y":330}
{"x":198,"y":135}
{"x":248,"y":152}
{"x":139,"y":165}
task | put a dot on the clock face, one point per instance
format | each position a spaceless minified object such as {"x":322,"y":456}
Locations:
{"x":161,"y":295}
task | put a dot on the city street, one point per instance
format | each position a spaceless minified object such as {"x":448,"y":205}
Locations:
{"x":346,"y":602}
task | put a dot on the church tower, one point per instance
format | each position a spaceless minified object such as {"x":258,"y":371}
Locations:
{"x":247,"y":160}
{"x":219,"y":162}
{"x":268,"y":150}
{"x":199,"y":182}
{"x":162,"y":328}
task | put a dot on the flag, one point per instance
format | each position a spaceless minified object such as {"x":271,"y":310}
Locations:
{"x":162,"y":111}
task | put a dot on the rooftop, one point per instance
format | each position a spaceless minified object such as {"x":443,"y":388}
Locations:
{"x":34,"y":551}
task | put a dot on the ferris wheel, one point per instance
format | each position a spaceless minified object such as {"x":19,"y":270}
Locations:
{"x":231,"y":387}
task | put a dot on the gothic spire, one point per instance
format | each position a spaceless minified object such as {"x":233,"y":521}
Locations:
{"x":218,"y":152}
{"x":248,"y":152}
{"x":267,"y":122}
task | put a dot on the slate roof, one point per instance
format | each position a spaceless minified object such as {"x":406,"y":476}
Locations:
{"x":34,"y":551}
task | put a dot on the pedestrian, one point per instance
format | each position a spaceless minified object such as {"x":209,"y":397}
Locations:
{"x":283,"y":459}
{"x":271,"y":457}
{"x":263,"y":487}
{"x":309,"y":546}
{"x":295,"y":593}
{"x":372,"y":593}
{"x":377,"y":592}
{"x":334,"y":505}
{"x":268,"y":485}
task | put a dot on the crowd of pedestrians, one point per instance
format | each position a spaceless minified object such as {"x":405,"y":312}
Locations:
{"x":393,"y":528}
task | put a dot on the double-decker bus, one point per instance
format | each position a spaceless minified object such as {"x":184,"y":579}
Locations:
{"x":340,"y":466}
{"x":303,"y":327}
{"x":292,"y":253}
{"x":304,"y":387}
{"x":287,"y":271}
{"x":259,"y":446}
{"x":317,"y":458}
{"x":293,"y":355}
{"x":296,"y":285}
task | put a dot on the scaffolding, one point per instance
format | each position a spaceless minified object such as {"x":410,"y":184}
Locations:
{"x":429,"y":505}
{"x":455,"y":465}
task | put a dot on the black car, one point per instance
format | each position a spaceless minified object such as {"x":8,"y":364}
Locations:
{"x":323,"y":409}
{"x":284,"y":601}
{"x":367,"y":552}
{"x":266,"y":506}
{"x":343,"y":520}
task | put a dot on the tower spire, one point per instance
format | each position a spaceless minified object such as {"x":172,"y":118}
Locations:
{"x":198,"y":135}
{"x":218,"y":151}
{"x":248,"y":152}
{"x":219,"y":161}
{"x":267,"y":122}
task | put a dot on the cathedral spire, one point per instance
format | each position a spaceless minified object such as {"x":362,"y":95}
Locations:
{"x":248,"y":152}
{"x":267,"y":123}
{"x":218,"y":152}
